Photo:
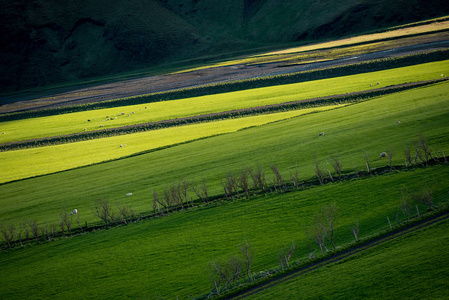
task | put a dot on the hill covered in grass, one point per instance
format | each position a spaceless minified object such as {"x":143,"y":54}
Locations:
{"x":47,"y":42}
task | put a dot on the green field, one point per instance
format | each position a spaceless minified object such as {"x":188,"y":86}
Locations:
{"x":137,"y":114}
{"x":168,"y":255}
{"x":26,"y":163}
{"x":410,"y":267}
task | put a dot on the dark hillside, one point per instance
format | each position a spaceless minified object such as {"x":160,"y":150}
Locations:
{"x":51,"y":41}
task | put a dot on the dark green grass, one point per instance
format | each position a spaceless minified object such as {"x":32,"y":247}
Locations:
{"x":168,"y":256}
{"x":369,"y":126}
{"x":414,"y":266}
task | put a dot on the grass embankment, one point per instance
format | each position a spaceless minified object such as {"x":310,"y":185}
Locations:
{"x":411,"y":267}
{"x":348,"y":131}
{"x":168,"y":257}
{"x":136,"y":114}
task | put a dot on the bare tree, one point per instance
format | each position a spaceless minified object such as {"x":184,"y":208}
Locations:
{"x":125,"y":213}
{"x":424,"y":196}
{"x":78,"y":221}
{"x":104,"y":211}
{"x":285,"y":255}
{"x":258,"y":177}
{"x":318,"y":171}
{"x":201,"y":191}
{"x":66,"y":219}
{"x":355,"y":230}
{"x":248,"y":256}
{"x":408,"y":156}
{"x":44,"y":231}
{"x":405,"y":203}
{"x":427,"y":151}
{"x":336,"y":164}
{"x":328,"y":216}
{"x":6,"y":234}
{"x":34,"y":230}
{"x":243,"y":181}
{"x":226,"y":273}
{"x":277,"y":177}
{"x":295,"y":177}
{"x":53,"y":230}
{"x":368,"y":167}
{"x":390,"y":155}
{"x":317,"y":233}
{"x":157,"y":201}
{"x":26,"y":231}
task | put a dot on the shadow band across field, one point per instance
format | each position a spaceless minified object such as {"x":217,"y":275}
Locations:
{"x":342,"y":98}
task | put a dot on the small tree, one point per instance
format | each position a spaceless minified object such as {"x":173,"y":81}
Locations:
{"x":405,"y":203}
{"x":277,"y":177}
{"x":201,"y":191}
{"x":66,"y":220}
{"x":34,"y":230}
{"x":285,"y":255}
{"x":248,"y":256}
{"x":258,"y":177}
{"x":328,"y":218}
{"x":318,"y":171}
{"x":390,"y":155}
{"x":243,"y":181}
{"x":424,"y":196}
{"x":336,"y":164}
{"x":355,"y":230}
{"x":104,"y":211}
{"x":125,"y":213}
{"x":368,"y":167}
{"x":6,"y":234}
{"x":295,"y":177}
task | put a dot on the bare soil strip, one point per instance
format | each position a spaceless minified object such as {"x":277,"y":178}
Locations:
{"x":214,"y":75}
{"x":212,"y":116}
{"x":340,"y":256}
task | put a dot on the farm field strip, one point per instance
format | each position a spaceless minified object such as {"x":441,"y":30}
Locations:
{"x":349,"y":131}
{"x":137,"y":114}
{"x":413,"y":259}
{"x":25,"y":163}
{"x":301,"y":52}
{"x":168,"y":256}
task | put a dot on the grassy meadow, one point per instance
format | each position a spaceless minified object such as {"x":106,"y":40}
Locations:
{"x":410,"y":267}
{"x":168,"y":256}
{"x":348,"y":131}
{"x":136,"y":114}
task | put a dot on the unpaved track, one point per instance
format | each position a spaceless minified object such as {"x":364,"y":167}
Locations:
{"x":161,"y":83}
{"x":340,"y":256}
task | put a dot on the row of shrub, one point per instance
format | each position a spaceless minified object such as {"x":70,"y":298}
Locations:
{"x":323,"y":101}
{"x":244,"y":183}
{"x":338,"y":71}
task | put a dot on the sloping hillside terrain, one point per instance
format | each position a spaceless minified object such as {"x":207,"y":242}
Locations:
{"x":47,"y":42}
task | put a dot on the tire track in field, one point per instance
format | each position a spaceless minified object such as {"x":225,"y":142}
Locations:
{"x":341,"y":256}
{"x":95,"y":134}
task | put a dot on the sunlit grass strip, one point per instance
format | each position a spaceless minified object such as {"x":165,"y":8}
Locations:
{"x":32,"y":162}
{"x":240,"y":86}
{"x":137,"y":114}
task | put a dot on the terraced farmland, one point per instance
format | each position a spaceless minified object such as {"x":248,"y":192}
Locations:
{"x":159,"y":245}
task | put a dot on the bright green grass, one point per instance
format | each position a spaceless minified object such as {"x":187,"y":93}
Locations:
{"x":31,"y":162}
{"x":167,"y":257}
{"x":414,"y":266}
{"x":348,"y":131}
{"x":77,"y":122}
